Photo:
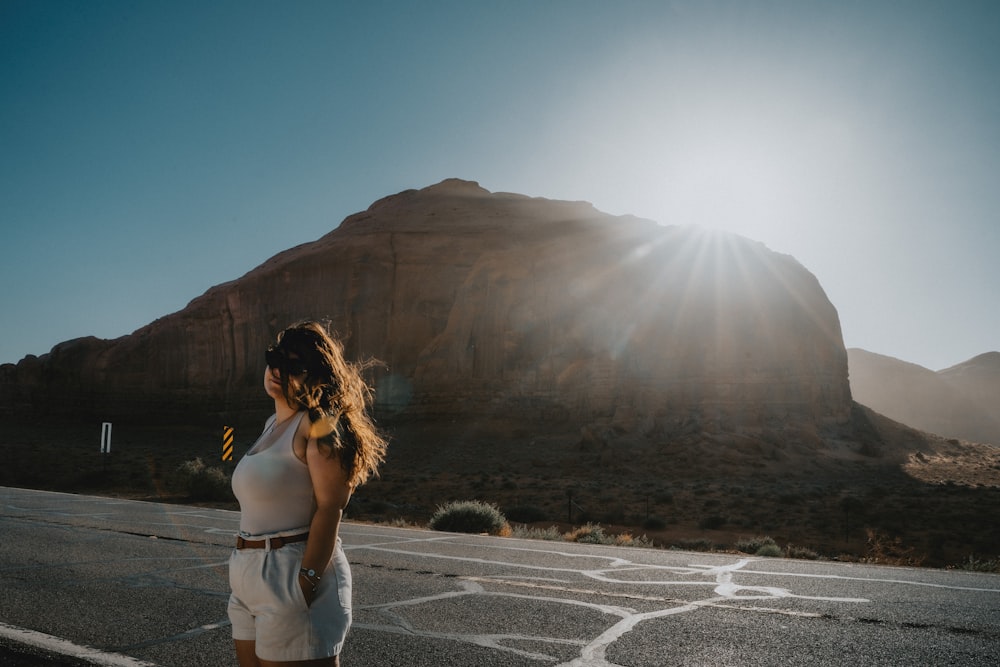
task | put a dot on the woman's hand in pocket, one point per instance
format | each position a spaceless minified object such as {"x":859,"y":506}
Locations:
{"x":308,"y":590}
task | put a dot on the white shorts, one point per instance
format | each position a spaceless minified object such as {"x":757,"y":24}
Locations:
{"x":267,"y":605}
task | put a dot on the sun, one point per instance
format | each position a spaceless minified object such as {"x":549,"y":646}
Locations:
{"x":731,"y":183}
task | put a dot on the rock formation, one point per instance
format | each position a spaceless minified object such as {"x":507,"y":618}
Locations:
{"x":958,"y":402}
{"x":537,"y":354}
{"x":492,"y":305}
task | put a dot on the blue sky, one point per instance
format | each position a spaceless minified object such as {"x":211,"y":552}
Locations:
{"x":151,"y":150}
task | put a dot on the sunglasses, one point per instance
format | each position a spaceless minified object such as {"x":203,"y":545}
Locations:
{"x":278,"y":359}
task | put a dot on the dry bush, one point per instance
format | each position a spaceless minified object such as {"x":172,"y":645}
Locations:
{"x":805,"y":553}
{"x":973,"y":564}
{"x":882,"y":549}
{"x":590,"y":533}
{"x":532,"y":533}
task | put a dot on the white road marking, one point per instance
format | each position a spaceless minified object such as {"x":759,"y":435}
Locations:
{"x":62,"y":646}
{"x":904,"y":582}
{"x":564,"y":586}
{"x":718,"y":578}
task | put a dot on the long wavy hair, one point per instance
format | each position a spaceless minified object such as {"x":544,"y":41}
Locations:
{"x":337,"y":398}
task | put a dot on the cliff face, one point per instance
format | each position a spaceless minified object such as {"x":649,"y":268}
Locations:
{"x":490,"y":305}
{"x":957,"y":402}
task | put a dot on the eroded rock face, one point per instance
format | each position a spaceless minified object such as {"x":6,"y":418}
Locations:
{"x":490,"y":305}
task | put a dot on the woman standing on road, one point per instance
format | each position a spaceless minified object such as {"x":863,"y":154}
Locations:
{"x":291,"y":599}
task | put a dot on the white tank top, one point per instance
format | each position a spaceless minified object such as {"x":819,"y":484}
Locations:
{"x":272,"y":485}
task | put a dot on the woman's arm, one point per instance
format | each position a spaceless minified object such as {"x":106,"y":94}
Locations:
{"x":332,"y":492}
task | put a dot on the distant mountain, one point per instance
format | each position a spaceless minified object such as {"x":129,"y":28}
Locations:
{"x":959,"y":402}
{"x":979,"y":380}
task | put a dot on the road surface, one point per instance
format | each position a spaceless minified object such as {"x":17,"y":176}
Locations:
{"x":114,"y":582}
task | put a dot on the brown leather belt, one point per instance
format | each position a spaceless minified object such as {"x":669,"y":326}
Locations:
{"x":275,"y":542}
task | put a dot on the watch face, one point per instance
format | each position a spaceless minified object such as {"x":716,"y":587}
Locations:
{"x":311,"y":573}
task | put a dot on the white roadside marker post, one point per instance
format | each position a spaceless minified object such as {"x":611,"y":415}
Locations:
{"x":105,"y":442}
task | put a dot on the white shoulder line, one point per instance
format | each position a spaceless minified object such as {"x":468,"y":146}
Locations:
{"x":62,"y":646}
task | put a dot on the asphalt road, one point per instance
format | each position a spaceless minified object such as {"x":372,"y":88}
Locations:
{"x":113,"y":582}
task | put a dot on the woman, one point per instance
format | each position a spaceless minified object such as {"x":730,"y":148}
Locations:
{"x":291,"y":600}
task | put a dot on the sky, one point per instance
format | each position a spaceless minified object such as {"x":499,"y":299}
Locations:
{"x":151,"y":150}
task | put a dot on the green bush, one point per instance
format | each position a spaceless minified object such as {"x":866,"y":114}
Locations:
{"x":751,"y":545}
{"x":200,"y":482}
{"x":470,"y":516}
{"x":769,"y":551}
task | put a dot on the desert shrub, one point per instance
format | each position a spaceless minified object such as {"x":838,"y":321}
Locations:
{"x":713,"y":522}
{"x":590,"y":533}
{"x":751,"y":545}
{"x":525,"y":513}
{"x":973,"y":564}
{"x":377,"y":506}
{"x":629,"y":540}
{"x":769,"y":551}
{"x":531,"y":533}
{"x":654,"y":523}
{"x":201,"y":482}
{"x":694,"y":544}
{"x":882,"y":549}
{"x":804,"y":553}
{"x":593,"y":533}
{"x":470,"y":516}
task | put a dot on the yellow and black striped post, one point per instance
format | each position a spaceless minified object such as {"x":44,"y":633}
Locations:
{"x":227,"y":443}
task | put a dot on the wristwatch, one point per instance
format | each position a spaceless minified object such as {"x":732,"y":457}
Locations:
{"x":311,"y":575}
